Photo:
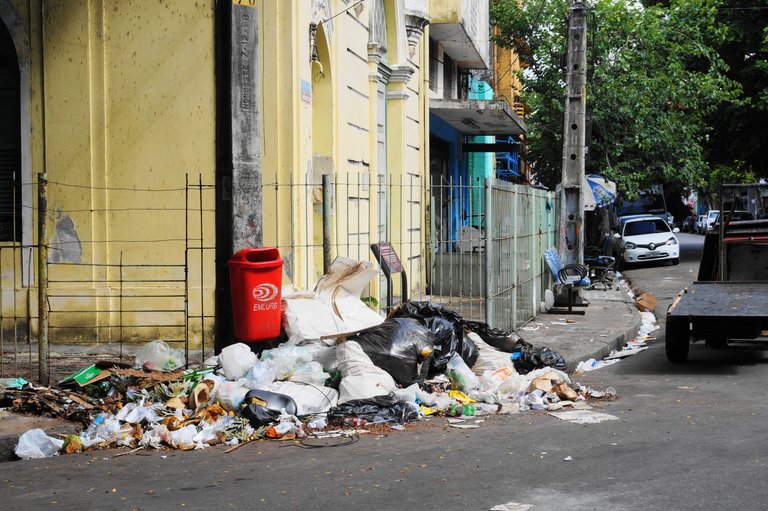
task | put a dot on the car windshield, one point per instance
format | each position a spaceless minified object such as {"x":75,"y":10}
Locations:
{"x":713,"y":214}
{"x":650,"y":226}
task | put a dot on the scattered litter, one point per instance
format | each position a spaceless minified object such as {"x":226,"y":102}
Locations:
{"x":584,"y":416}
{"x":568,"y":458}
{"x":625,"y":352}
{"x":424,"y":361}
{"x":511,"y":506}
{"x":592,"y":364}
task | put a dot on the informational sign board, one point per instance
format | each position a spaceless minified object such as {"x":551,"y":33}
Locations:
{"x":388,"y":258}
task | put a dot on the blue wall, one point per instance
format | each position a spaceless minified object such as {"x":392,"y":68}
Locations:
{"x":457,"y":173}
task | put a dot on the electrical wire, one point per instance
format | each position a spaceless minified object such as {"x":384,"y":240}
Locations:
{"x":341,"y":12}
{"x":305,"y":445}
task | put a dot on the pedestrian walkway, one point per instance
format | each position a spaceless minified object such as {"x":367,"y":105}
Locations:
{"x":609,"y":322}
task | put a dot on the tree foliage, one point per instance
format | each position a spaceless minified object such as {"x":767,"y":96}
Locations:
{"x":654,"y":81}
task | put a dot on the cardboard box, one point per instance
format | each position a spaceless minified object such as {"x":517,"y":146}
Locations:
{"x":646,"y":302}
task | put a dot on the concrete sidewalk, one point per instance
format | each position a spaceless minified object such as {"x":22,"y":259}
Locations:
{"x":610,"y":320}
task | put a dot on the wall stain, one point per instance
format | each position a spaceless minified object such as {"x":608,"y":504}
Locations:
{"x":65,"y":244}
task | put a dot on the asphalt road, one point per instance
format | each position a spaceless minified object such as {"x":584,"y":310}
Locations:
{"x":688,"y":437}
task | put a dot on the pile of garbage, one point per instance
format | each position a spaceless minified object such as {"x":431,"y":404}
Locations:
{"x":344,"y":369}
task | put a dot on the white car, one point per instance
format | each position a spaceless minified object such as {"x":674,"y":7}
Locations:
{"x":710,"y":220}
{"x":647,"y":239}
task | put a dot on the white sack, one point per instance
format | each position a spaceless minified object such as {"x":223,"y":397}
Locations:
{"x":360,"y":378}
{"x":334,"y":307}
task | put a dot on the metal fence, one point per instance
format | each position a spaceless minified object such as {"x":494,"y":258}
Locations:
{"x":98,"y":293}
{"x":439,"y":229}
{"x":474,"y":246}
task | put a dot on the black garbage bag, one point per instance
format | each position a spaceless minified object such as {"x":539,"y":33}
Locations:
{"x":499,"y":339}
{"x":399,"y":346}
{"x":532,"y":358}
{"x":448,"y":328}
{"x":377,"y":409}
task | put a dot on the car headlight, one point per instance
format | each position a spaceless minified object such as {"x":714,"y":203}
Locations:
{"x":672,"y":241}
{"x":629,"y":245}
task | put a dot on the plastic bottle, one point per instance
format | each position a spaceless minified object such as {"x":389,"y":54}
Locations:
{"x":98,"y":421}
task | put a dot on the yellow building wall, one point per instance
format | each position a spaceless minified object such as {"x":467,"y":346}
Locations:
{"x":445,"y":11}
{"x":507,"y":69}
{"x":336,"y":133}
{"x":122,"y":107}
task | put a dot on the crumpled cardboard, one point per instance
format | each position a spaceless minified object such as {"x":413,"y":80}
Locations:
{"x":645,"y":302}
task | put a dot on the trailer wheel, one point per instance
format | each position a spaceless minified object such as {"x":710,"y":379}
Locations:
{"x":678,"y":336}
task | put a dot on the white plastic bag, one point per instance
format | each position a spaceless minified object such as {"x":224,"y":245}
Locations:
{"x":158,"y":356}
{"x":489,"y":358}
{"x":407,"y":393}
{"x":285,"y":359}
{"x":462,"y":377}
{"x":230,"y":395}
{"x":361,"y":379}
{"x":260,"y":375}
{"x":311,"y":372}
{"x":35,"y":444}
{"x":322,"y":351}
{"x":236,"y":360}
{"x":184,"y":438}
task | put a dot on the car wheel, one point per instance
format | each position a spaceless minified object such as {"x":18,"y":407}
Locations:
{"x":675,"y":261}
{"x":677,"y":339}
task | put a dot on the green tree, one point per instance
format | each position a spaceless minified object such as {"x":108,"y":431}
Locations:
{"x":741,"y":130}
{"x":723,"y":174}
{"x":654,"y":79}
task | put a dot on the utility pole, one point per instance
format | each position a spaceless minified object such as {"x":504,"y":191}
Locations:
{"x":571,"y":236}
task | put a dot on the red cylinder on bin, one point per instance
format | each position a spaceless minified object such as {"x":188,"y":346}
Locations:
{"x":256,"y":280}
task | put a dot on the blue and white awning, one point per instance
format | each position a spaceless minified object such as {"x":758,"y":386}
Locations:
{"x":598,"y":192}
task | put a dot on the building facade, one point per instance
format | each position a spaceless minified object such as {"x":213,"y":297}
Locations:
{"x":172,"y":134}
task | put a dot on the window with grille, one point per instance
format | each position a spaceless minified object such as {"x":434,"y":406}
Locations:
{"x":433,"y":62}
{"x":447,"y":76}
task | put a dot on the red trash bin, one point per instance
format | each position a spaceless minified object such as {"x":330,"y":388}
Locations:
{"x":256,"y":280}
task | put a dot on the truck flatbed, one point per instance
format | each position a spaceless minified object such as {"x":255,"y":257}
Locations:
{"x":723,"y":300}
{"x":716,"y":312}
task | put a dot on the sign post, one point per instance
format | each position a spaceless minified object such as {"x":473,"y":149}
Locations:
{"x":389,"y":261}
